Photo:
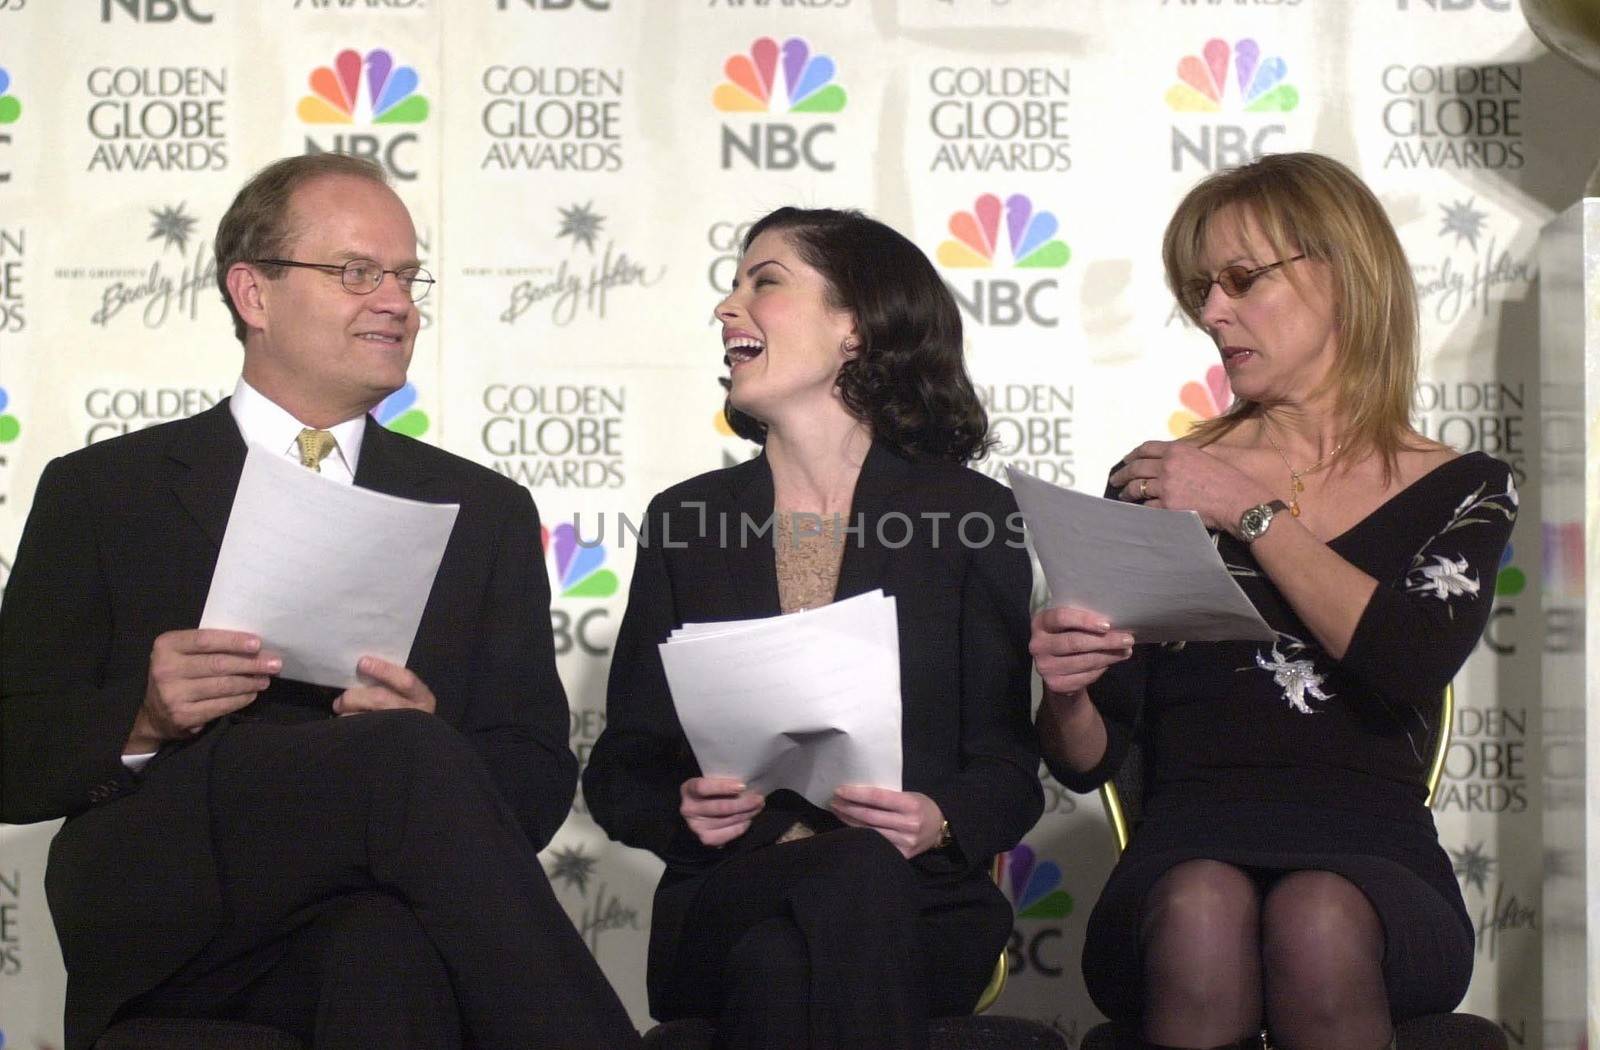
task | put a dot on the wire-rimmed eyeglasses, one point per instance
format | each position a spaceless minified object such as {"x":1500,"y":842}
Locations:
{"x":362,"y":276}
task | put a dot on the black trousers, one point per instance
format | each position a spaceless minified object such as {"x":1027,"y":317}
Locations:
{"x":380,"y":894}
{"x":833,"y":942}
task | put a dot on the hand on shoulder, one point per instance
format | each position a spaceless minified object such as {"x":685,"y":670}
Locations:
{"x":1181,"y":475}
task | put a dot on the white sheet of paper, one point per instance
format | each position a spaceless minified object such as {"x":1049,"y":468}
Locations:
{"x":325,"y":573}
{"x":806,"y":701}
{"x":1152,"y":572}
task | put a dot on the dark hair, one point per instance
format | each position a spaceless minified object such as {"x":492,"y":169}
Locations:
{"x":256,"y":225}
{"x":908,"y":380}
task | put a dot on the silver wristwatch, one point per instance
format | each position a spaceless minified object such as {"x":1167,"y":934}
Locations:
{"x":1253,"y":522}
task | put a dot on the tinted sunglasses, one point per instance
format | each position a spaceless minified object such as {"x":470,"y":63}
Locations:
{"x":1235,"y":281}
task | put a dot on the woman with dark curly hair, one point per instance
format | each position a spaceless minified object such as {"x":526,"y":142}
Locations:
{"x":787,"y":924}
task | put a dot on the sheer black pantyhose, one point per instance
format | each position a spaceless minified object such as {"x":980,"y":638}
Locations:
{"x":1221,"y":953}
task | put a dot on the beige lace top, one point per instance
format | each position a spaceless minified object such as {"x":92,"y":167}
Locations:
{"x":808,"y":553}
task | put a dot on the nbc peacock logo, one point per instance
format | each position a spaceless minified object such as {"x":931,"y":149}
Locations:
{"x":1201,"y":401}
{"x":1203,"y":80}
{"x":753,"y":86}
{"x":979,"y":243}
{"x":580,"y":568}
{"x":10,"y":108}
{"x":390,"y":106}
{"x":1509,"y":581}
{"x":10,"y":426}
{"x":1033,"y":886}
{"x":1241,"y":80}
{"x":391,"y":96}
{"x":735,"y":449}
{"x":1563,"y":559}
{"x":787,"y":79}
{"x":1031,"y":235}
{"x":398,"y":412}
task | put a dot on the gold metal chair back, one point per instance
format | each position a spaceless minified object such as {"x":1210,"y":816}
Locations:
{"x":997,"y":980}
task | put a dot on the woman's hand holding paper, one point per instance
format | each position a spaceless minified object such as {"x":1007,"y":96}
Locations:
{"x":910,"y":820}
{"x":718,"y":809}
{"x":1073,"y":647}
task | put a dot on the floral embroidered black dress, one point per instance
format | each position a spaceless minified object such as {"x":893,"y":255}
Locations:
{"x":1276,"y":757}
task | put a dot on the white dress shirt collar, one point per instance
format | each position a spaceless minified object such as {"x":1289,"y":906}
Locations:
{"x":264,"y":422}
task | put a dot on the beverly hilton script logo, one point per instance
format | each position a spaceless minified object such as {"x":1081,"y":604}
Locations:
{"x":1501,"y":912}
{"x":572,"y":868}
{"x":1447,"y":288}
{"x":583,"y":282}
{"x":162,"y":291}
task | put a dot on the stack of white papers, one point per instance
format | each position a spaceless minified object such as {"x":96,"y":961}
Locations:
{"x":1152,"y":572}
{"x":807,"y":701}
{"x":325,"y":573}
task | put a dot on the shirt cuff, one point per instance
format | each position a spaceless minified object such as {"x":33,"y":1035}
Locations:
{"x":136,"y":763}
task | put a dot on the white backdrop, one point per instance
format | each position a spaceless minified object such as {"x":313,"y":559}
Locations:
{"x":580,"y":171}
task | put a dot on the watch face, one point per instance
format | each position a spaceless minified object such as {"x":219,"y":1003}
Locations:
{"x":1253,"y":522}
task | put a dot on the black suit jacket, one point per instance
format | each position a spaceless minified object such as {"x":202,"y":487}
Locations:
{"x":119,"y":547}
{"x":967,"y":739}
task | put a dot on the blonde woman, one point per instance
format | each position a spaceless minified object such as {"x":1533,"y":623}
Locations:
{"x":1286,"y":872}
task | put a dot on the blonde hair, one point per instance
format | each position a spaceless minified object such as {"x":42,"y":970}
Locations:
{"x":1305,"y":202}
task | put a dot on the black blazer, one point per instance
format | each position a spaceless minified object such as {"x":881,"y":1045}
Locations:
{"x":119,"y":547}
{"x":967,"y":739}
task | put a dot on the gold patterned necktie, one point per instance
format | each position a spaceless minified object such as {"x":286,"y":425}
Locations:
{"x":314,"y":448}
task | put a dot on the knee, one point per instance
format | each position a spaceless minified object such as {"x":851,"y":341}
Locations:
{"x":408,"y":739}
{"x":865,"y":865}
{"x":1317,"y":918}
{"x":1200,"y":933}
{"x":406,"y":728}
{"x":1202,"y":900}
{"x":1321,"y":938}
{"x":769,"y":950}
{"x":410,"y":766}
{"x":376,"y":932}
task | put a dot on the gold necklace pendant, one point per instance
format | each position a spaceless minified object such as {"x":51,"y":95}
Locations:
{"x":1297,"y":486}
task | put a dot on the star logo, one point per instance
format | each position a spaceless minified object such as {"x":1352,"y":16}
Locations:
{"x":1473,"y":866}
{"x":172,"y":227}
{"x":581,"y":224}
{"x":572,"y":868}
{"x":1463,"y":220}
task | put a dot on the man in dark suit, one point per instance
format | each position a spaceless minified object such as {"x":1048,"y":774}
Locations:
{"x":357,"y":867}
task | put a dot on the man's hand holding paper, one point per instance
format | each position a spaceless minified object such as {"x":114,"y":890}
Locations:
{"x":296,"y":569}
{"x":387,"y":686}
{"x":197,"y":676}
